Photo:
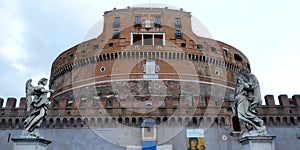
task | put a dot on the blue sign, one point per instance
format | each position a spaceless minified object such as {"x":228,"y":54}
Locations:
{"x":148,"y":145}
{"x":148,"y":122}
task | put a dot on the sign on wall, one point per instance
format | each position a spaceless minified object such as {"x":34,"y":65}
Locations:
{"x":195,"y":139}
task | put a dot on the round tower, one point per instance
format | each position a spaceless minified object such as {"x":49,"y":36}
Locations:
{"x":146,"y":53}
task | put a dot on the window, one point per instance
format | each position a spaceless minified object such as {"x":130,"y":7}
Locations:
{"x":83,"y":102}
{"x":102,"y":69}
{"x":137,"y":22}
{"x":158,"y":39}
{"x":225,"y":52}
{"x":109,"y":103}
{"x":96,"y":102}
{"x":202,"y":101}
{"x":178,"y":34}
{"x":199,"y":46}
{"x":183,"y":45}
{"x":116,"y":35}
{"x":69,"y":104}
{"x":157,"y":22}
{"x":137,"y":39}
{"x":177,"y":23}
{"x":238,"y":57}
{"x":147,"y":39}
{"x":95,"y":47}
{"x":213,"y":49}
{"x":147,"y":24}
{"x":117,"y":22}
{"x":175,"y":102}
{"x":189,"y":101}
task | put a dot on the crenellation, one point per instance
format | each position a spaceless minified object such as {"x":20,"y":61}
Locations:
{"x":1,"y":102}
{"x":296,"y":99}
{"x":23,"y":103}
{"x":269,"y":100}
{"x":284,"y":100}
{"x":11,"y":103}
{"x":285,"y":103}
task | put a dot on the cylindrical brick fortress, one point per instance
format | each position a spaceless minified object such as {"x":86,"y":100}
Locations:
{"x":147,"y":53}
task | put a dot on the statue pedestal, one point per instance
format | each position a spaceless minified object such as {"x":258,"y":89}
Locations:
{"x":30,"y":144}
{"x":257,"y":142}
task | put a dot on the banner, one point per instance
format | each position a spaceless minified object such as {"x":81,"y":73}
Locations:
{"x":195,"y":139}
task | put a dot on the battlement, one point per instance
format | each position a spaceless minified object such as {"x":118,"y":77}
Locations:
{"x":284,"y":101}
{"x":69,"y":114}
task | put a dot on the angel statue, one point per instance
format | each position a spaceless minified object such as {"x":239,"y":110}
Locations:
{"x":247,"y":97}
{"x":37,"y":107}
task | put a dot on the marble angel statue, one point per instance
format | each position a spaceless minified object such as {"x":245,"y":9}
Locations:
{"x":37,"y":105}
{"x":247,"y":97}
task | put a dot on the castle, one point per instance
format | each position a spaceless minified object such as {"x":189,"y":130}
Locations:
{"x":145,"y":81}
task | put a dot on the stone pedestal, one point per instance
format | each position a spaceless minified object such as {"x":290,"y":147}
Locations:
{"x":30,"y":144}
{"x":257,"y":142}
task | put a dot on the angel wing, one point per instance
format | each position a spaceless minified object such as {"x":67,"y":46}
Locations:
{"x":29,"y":89}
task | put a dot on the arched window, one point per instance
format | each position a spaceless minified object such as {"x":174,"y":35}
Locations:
{"x":172,"y":122}
{"x":194,"y":121}
{"x":238,"y":57}
{"x":200,"y":120}
{"x":140,"y":121}
{"x":222,"y":121}
{"x":278,"y":121}
{"x":265,"y":120}
{"x":187,"y":121}
{"x":99,"y":121}
{"x":216,"y":122}
{"x":106,"y":122}
{"x":271,"y":121}
{"x":158,"y":120}
{"x":43,"y":124}
{"x":179,"y":121}
{"x":127,"y":121}
{"x":3,"y":122}
{"x":285,"y":121}
{"x":10,"y":124}
{"x":292,"y":120}
{"x":86,"y":122}
{"x":165,"y":120}
{"x":119,"y":120}
{"x":78,"y":122}
{"x":92,"y":122}
{"x":134,"y":121}
{"x":57,"y":123}
{"x":51,"y":122}
{"x":65,"y":122}
{"x":17,"y":123}
{"x":72,"y":122}
{"x":236,"y":124}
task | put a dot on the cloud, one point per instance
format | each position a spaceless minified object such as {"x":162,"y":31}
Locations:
{"x":11,"y":39}
{"x":34,"y":33}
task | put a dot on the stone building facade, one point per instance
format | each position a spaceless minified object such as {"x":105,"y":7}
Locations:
{"x":146,"y":80}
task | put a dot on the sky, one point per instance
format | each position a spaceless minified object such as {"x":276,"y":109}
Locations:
{"x":34,"y":32}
